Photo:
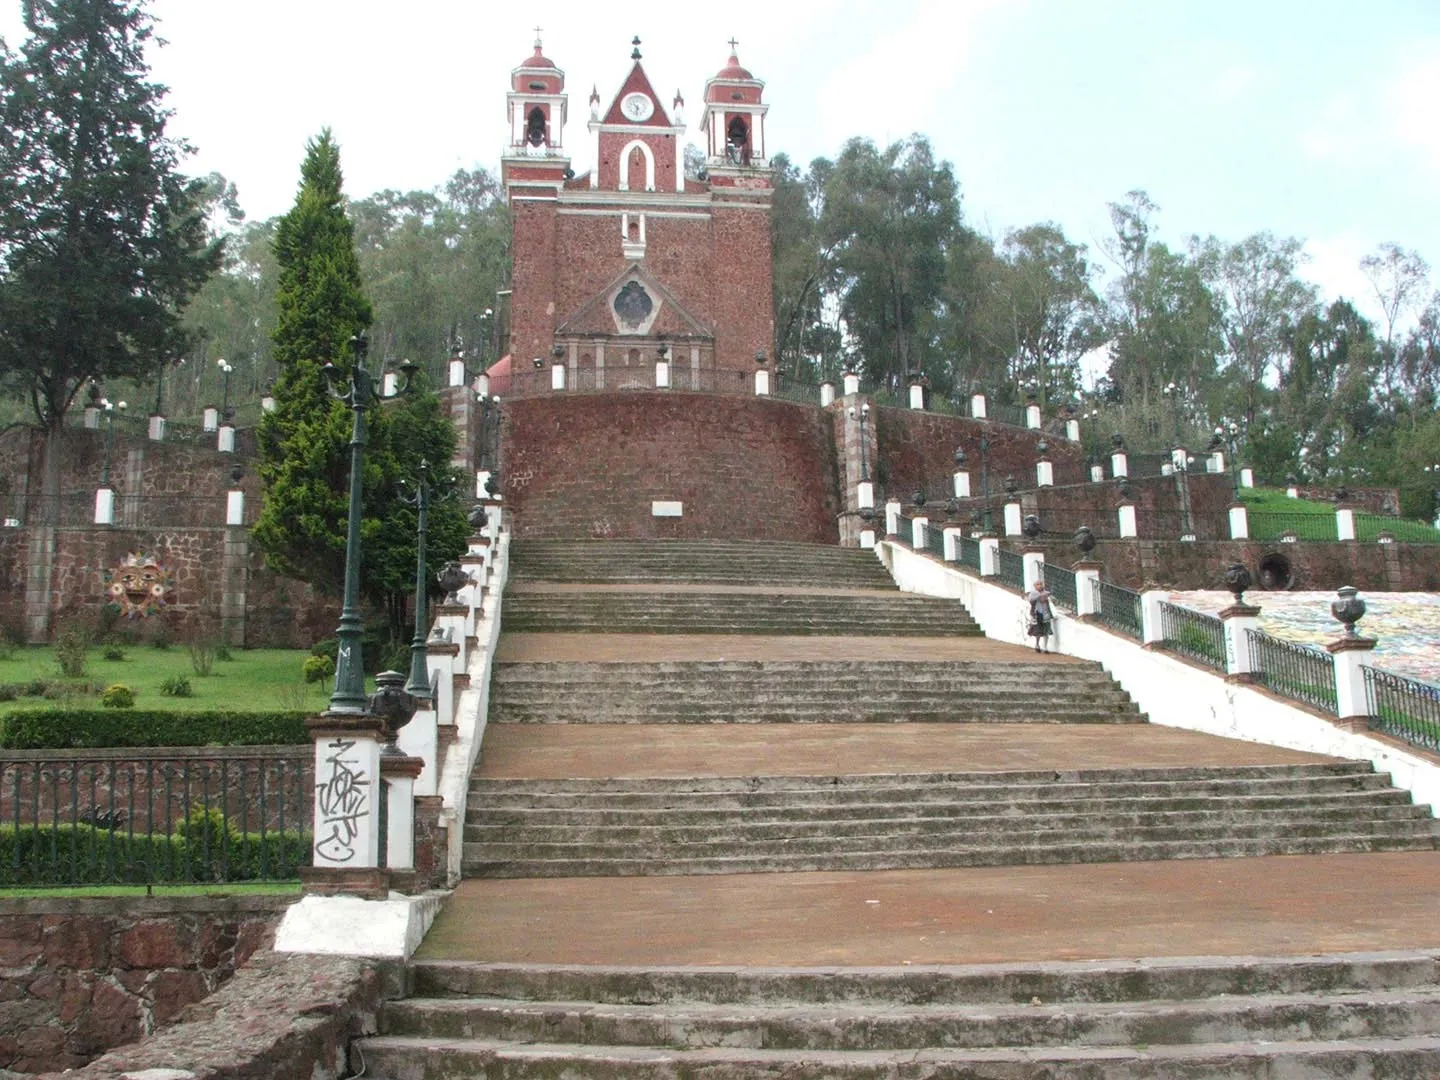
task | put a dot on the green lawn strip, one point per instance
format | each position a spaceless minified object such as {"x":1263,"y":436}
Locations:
{"x":255,"y":680}
{"x":1261,"y":502}
{"x":262,"y":888}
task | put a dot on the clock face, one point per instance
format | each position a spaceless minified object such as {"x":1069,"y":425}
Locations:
{"x":637,"y":106}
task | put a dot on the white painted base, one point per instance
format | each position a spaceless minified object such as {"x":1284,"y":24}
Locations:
{"x":827,"y":394}
{"x":917,"y":397}
{"x":210,"y":419}
{"x":235,"y":507}
{"x":660,"y":508}
{"x":852,"y":383}
{"x":349,"y":926}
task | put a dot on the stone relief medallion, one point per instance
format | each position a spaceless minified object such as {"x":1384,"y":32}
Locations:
{"x":634,"y":308}
{"x":139,"y":586}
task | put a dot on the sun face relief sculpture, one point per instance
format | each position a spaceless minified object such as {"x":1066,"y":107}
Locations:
{"x":139,"y":586}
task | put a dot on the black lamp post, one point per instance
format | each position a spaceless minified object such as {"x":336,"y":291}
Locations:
{"x":1229,"y":431}
{"x":226,"y":368}
{"x":109,"y":409}
{"x":860,"y":415}
{"x":360,"y":395}
{"x":985,"y":479}
{"x":418,"y":684}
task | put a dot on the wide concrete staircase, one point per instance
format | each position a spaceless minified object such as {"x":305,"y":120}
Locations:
{"x":827,"y":723}
{"x":1355,"y":1017}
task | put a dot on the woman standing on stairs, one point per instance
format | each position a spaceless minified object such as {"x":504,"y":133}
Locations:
{"x":1042,"y":617}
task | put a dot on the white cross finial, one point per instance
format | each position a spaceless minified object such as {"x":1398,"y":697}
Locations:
{"x":733,"y":43}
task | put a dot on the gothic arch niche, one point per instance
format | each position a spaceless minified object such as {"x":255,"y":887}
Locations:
{"x":631,"y":162}
{"x":535,"y":127}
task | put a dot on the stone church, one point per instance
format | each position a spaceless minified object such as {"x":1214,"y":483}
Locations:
{"x":635,"y":261}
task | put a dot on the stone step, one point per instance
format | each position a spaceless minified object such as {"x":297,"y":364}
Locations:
{"x":820,"y":673}
{"x":476,"y":861}
{"x":814,"y":713}
{"x":424,"y":1058}
{"x":870,"y":1026}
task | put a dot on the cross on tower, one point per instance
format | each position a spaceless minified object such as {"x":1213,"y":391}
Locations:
{"x":733,"y":43}
{"x":537,"y":37}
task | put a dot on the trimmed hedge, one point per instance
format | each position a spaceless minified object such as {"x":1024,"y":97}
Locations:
{"x":39,"y":855}
{"x":78,"y":729}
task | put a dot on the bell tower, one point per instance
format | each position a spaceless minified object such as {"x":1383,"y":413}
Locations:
{"x":534,"y":168}
{"x":734,"y":120}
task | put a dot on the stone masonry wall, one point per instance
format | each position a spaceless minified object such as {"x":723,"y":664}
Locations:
{"x":79,"y":977}
{"x":743,"y":467}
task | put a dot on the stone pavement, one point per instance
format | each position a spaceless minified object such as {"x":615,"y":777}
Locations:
{"x":646,"y":648}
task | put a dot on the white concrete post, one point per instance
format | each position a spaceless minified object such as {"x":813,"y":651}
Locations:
{"x":104,"y":506}
{"x":400,"y":823}
{"x":918,"y":526}
{"x":865,"y":494}
{"x":457,"y":373}
{"x":347,"y":794}
{"x":762,"y":382}
{"x":989,"y":556}
{"x":1292,"y":492}
{"x":235,"y":507}
{"x":1217,"y":462}
{"x":1012,"y":519}
{"x":92,"y":418}
{"x":1239,"y":619}
{"x":662,"y":374}
{"x":977,"y":407}
{"x":1180,"y":458}
{"x":481,"y":475}
{"x":441,"y":667}
{"x":1247,"y":477}
{"x":1072,"y":430}
{"x":1087,"y":590}
{"x":827,"y":393}
{"x":389,"y":384}
{"x":851,"y":382}
{"x":1150,"y":631}
{"x":157,"y":429}
{"x":1032,"y":417}
{"x":1239,"y":522}
{"x":950,"y":538}
{"x":482,"y":386}
{"x":892,"y":518}
{"x":1097,"y":474}
{"x":1119,"y":463}
{"x":420,"y":739}
{"x":1034,"y":567}
{"x":917,"y":396}
{"x":1350,"y":655}
{"x":962,"y":484}
{"x":210,"y":419}
{"x":267,"y":403}
{"x":1344,"y":523}
{"x":1044,"y":474}
{"x":1126,"y":515}
{"x":225,"y":439}
{"x":557,"y":376}
{"x":867,"y":536}
{"x":1167,"y":468}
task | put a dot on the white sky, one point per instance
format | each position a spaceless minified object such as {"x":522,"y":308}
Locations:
{"x":1313,"y":118}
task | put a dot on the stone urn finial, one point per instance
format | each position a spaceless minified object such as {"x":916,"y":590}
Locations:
{"x":452,"y":578}
{"x":393,"y":706}
{"x":1348,"y":608}
{"x":1031,"y":526}
{"x":1084,"y":541}
{"x":1237,"y":580}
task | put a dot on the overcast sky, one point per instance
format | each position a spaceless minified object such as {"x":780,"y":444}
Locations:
{"x":1311,"y":118}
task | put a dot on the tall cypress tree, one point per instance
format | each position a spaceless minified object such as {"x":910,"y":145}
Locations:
{"x":102,"y":240}
{"x":304,"y":445}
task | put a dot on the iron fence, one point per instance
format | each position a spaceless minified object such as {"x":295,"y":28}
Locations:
{"x":1005,"y":414}
{"x":536,"y":382}
{"x":1368,"y":528}
{"x":1193,"y":634}
{"x":935,"y":541}
{"x":968,"y":549}
{"x":1297,"y":672}
{"x":1011,"y":569}
{"x":1405,"y":708}
{"x":1119,"y":609}
{"x":1061,"y":583}
{"x":175,"y":818}
{"x":1277,"y":524}
{"x":789,"y":389}
{"x":906,"y":528}
{"x":76,"y":509}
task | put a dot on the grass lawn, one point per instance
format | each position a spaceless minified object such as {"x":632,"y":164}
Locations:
{"x":255,"y":680}
{"x":1272,"y":512}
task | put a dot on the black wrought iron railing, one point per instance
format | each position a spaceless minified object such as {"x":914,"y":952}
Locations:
{"x":1279,"y":524}
{"x":101,"y":818}
{"x":1011,"y":569}
{"x":1193,"y":634}
{"x":1061,"y":583}
{"x":935,"y":540}
{"x":1119,"y":609}
{"x":906,"y":528}
{"x":968,"y":549}
{"x":802,"y":393}
{"x":1294,"y":671}
{"x":1405,"y":708}
{"x":1005,"y":414}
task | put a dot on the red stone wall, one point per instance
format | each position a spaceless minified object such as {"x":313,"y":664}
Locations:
{"x":1371,"y":500}
{"x":1166,"y":507}
{"x":79,"y":977}
{"x":744,"y":467}
{"x":740,"y":285}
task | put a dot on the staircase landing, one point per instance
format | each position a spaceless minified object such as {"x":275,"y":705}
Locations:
{"x":1268,"y":906}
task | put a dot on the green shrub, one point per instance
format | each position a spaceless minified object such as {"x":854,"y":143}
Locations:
{"x":114,"y":653}
{"x":223,"y":653}
{"x":10,"y":691}
{"x":77,"y":728}
{"x":326,"y":647}
{"x":177,"y":686}
{"x":201,"y":848}
{"x":160,"y":637}
{"x":37,"y":688}
{"x":117,"y":696}
{"x":71,"y":644}
{"x":202,"y":656}
{"x":318,"y":668}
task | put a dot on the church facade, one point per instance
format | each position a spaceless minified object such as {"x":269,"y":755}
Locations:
{"x":634,"y":262}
